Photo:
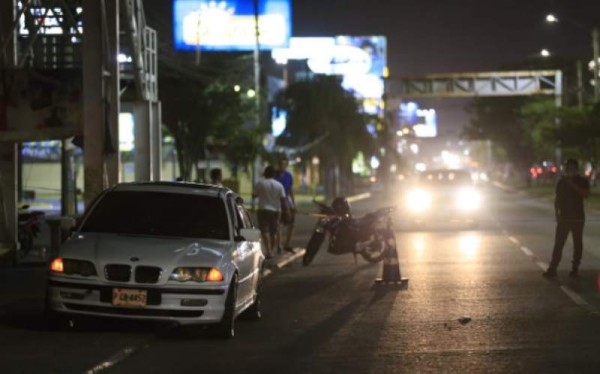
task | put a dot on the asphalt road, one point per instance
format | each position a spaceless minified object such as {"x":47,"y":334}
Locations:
{"x":328,"y":318}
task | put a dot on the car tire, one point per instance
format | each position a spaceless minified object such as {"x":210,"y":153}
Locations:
{"x":226,"y":328}
{"x":57,"y":321}
{"x":254,"y":311}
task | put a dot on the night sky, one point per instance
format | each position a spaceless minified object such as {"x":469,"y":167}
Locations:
{"x":427,"y":36}
{"x":436,"y":36}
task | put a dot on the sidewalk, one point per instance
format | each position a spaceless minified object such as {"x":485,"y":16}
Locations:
{"x":547,"y":193}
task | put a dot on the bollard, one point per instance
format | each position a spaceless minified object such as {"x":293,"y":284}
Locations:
{"x":391,"y":266}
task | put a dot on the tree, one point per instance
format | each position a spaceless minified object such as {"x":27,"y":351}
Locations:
{"x":500,"y":120}
{"x":201,"y":108}
{"x":326,"y":121}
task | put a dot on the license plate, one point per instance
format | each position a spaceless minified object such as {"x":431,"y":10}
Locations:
{"x":129,"y":297}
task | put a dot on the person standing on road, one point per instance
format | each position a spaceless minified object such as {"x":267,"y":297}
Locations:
{"x":287,"y":180}
{"x":271,"y":203}
{"x":570,"y":217}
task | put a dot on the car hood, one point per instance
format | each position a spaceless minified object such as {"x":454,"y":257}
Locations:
{"x":152,"y":251}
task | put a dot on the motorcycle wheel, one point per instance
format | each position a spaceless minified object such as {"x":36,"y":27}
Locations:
{"x":313,"y":246}
{"x":375,"y":252}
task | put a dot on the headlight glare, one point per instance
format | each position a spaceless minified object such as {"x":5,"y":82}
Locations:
{"x":468,"y":199}
{"x":418,"y":200}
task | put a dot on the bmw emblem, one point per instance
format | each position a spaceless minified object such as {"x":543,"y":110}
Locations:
{"x":134,"y":259}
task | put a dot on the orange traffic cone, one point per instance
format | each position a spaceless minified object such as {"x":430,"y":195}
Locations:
{"x":391,"y":266}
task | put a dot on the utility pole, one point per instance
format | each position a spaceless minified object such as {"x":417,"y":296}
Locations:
{"x":596,"y":48}
{"x":580,"y":84}
{"x":257,"y":89}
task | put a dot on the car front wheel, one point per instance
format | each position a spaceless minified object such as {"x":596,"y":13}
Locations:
{"x":226,"y":328}
{"x":254,"y":311}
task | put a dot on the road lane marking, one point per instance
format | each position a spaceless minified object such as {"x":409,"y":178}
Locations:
{"x":116,"y":358}
{"x":299,"y":253}
{"x":124,"y":353}
{"x":574,"y":296}
{"x":527,"y":251}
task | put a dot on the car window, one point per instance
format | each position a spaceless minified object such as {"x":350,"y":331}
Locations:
{"x":159,"y":214}
{"x":244,"y":217}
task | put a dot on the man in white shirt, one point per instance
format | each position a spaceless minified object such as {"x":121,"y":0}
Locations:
{"x":271,"y":201}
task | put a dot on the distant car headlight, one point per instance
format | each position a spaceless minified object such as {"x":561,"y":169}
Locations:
{"x":468,"y":199}
{"x":185,"y":274}
{"x":418,"y":200}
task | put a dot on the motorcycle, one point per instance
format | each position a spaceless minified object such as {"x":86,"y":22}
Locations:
{"x":28,"y":226}
{"x":368,"y":236}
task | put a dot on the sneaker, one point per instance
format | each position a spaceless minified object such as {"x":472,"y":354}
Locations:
{"x":550,"y":273}
{"x":289,"y":249}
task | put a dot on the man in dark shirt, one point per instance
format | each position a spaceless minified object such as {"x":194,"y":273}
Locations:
{"x":570,"y":217}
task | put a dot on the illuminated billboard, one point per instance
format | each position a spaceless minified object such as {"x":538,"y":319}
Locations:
{"x":360,"y":60}
{"x":229,"y":25}
{"x":423,"y":122}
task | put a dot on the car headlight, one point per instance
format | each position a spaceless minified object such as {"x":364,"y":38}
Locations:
{"x":418,"y":200}
{"x":468,"y":199}
{"x":185,"y":274}
{"x":73,"y":267}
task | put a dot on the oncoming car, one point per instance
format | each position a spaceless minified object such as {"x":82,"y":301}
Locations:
{"x":179,"y":252}
{"x":443,"y":195}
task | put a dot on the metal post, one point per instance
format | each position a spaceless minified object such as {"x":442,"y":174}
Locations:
{"x":8,"y":150}
{"x":156,"y":146}
{"x":93,"y":105}
{"x":257,"y":89}
{"x":558,"y":102}
{"x":579,"y":84}
{"x":596,"y":48}
{"x":113,"y":161}
{"x":142,"y":114}
{"x":67,"y":187}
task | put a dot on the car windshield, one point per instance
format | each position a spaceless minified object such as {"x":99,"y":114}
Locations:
{"x":159,"y":214}
{"x":445,"y":178}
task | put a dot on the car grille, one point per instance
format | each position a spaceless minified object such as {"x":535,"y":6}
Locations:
{"x":117,"y":273}
{"x":147,"y":274}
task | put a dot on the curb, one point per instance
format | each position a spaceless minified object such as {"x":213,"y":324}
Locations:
{"x":285,"y":260}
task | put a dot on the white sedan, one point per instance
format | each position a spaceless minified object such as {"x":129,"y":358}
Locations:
{"x":179,"y":252}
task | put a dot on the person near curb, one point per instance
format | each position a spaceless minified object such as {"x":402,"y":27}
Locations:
{"x":216,"y":177}
{"x":284,"y":177}
{"x":271,"y":206}
{"x":571,"y":189}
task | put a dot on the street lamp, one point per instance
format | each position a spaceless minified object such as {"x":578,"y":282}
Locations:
{"x":551,"y":18}
{"x":545,"y":53}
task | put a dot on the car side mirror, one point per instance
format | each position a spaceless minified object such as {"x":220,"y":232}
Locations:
{"x":251,"y":235}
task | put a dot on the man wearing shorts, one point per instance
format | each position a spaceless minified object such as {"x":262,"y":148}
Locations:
{"x":271,"y":201}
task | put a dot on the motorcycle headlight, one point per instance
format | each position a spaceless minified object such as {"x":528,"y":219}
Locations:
{"x":418,"y":200}
{"x":468,"y":199}
{"x":186,"y":274}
